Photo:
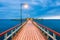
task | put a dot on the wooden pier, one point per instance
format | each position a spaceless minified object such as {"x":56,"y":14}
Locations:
{"x":29,"y":32}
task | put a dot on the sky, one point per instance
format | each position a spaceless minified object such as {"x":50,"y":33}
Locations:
{"x":46,"y":9}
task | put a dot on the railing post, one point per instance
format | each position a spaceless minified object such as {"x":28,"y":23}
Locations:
{"x":15,"y":29}
{"x":40,"y":27}
{"x":5,"y":37}
{"x":48,"y":33}
{"x":43,"y":29}
{"x":11,"y":33}
{"x":54,"y":36}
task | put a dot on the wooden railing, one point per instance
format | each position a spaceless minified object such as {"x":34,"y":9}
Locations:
{"x":12,"y":32}
{"x":47,"y":31}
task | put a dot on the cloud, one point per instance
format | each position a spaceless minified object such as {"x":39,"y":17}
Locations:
{"x":11,"y":8}
{"x":50,"y":17}
{"x":58,"y":3}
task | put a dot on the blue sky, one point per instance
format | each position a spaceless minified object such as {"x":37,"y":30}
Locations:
{"x":10,"y":9}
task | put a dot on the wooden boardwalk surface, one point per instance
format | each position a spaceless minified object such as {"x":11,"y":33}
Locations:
{"x":29,"y":32}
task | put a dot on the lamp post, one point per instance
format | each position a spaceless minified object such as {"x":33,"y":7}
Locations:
{"x":21,"y":13}
{"x":25,"y":6}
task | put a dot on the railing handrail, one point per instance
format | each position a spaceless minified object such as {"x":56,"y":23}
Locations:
{"x":58,"y":34}
{"x":1,"y":34}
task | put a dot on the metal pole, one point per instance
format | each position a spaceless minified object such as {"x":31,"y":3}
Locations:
{"x":21,"y":14}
